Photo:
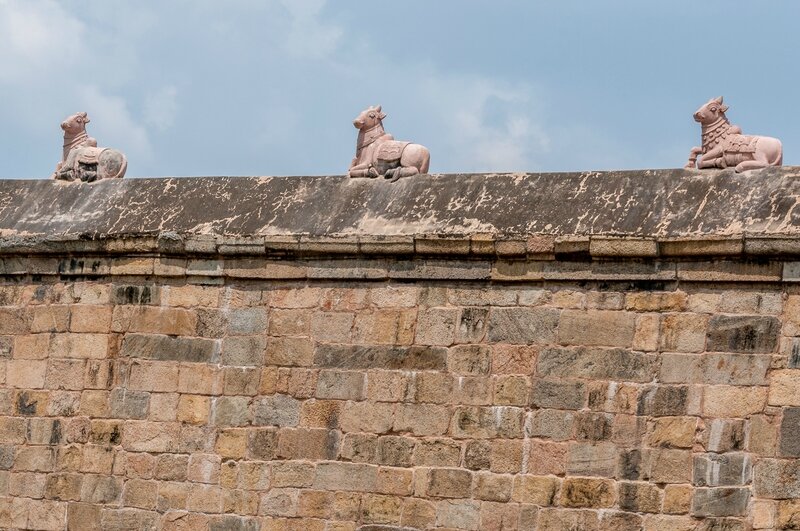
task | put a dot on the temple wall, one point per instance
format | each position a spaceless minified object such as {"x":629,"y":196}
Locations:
{"x":412,"y":378}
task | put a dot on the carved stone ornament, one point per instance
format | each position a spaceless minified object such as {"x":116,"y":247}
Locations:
{"x":724,"y":145}
{"x":82,"y":160}
{"x":378,"y":154}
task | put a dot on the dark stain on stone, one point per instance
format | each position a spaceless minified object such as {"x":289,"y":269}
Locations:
{"x":133,"y":295}
{"x":26,"y":405}
{"x":629,"y":464}
{"x":55,"y":433}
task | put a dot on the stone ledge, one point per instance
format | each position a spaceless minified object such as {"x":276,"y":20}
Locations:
{"x":616,"y":214}
{"x":408,"y":268}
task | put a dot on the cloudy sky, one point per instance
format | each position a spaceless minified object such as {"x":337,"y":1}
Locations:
{"x":270,"y":87}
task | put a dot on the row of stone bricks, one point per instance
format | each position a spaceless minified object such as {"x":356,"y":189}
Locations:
{"x":681,"y":332}
{"x":30,"y":446}
{"x":410,"y":514}
{"x":485,"y":268}
{"x":658,"y":411}
{"x":300,"y":489}
{"x":361,"y":296}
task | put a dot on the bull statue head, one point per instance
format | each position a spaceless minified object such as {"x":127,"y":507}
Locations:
{"x":712,"y":111}
{"x":76,"y":123}
{"x":369,"y":118}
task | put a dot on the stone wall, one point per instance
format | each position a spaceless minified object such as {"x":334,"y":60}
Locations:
{"x":176,"y":379}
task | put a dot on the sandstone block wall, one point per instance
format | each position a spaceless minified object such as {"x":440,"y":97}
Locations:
{"x":223,"y":378}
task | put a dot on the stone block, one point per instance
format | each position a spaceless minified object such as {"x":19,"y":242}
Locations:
{"x":262,"y":443}
{"x":777,"y":479}
{"x":167,"y":348}
{"x":394,"y":451}
{"x":587,"y":493}
{"x":749,"y":334}
{"x":83,"y":517}
{"x":129,"y":404}
{"x":469,"y":360}
{"x":140,"y":493}
{"x":536,"y":490}
{"x":672,"y":432}
{"x":726,"y":435}
{"x":493,"y":487}
{"x":784,"y":387}
{"x":550,"y":424}
{"x":204,"y":468}
{"x":720,"y":502}
{"x":340,"y":385}
{"x":449,"y":483}
{"x":584,"y":520}
{"x":158,"y":377}
{"x":418,"y":358}
{"x":305,"y":443}
{"x":596,"y":328}
{"x":663,"y":401}
{"x":670,"y":466}
{"x":471,"y":325}
{"x":486,"y":422}
{"x":93,"y":346}
{"x":597,"y":363}
{"x":677,"y":499}
{"x":716,"y":470}
{"x":26,"y":374}
{"x":332,"y":327}
{"x":511,"y":390}
{"x":593,"y":426}
{"x":735,"y":369}
{"x":434,"y":387}
{"x":339,"y":476}
{"x":244,"y":351}
{"x":90,"y":319}
{"x":522,"y":326}
{"x":639,"y":497}
{"x":790,"y":433}
{"x":436,"y":326}
{"x":683,"y":332}
{"x":171,"y":467}
{"x":241,"y":381}
{"x":367,"y":417}
{"x":136,"y":294}
{"x":359,"y":447}
{"x":437,"y":452}
{"x":458,"y":514}
{"x":733,"y":402}
{"x":289,"y":351}
{"x":197,"y":378}
{"x":592,"y":459}
{"x":277,"y":410}
{"x":63,"y":487}
{"x":65,"y":374}
{"x":656,"y":301}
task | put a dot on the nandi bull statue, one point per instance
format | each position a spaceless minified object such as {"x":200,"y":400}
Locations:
{"x":378,"y":154}
{"x":81,"y":159}
{"x":724,"y":145}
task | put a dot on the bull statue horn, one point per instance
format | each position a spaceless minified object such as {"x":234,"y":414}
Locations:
{"x":718,"y":100}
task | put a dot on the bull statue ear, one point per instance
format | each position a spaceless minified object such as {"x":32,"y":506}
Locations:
{"x":723,"y":108}
{"x":382,"y":115}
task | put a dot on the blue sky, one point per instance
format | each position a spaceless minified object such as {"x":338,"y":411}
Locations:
{"x":270,"y":87}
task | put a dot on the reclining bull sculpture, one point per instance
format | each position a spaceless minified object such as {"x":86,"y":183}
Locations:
{"x":724,"y":145}
{"x":378,"y":154}
{"x":81,"y":159}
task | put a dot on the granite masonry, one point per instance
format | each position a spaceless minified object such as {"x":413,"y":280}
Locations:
{"x":597,"y":351}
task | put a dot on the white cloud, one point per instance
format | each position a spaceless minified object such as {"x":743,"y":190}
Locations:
{"x":38,"y":40}
{"x":161,"y":107}
{"x":114,"y":126}
{"x":309,"y":35}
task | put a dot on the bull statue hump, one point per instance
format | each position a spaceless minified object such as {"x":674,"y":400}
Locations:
{"x":82,"y":160}
{"x":378,"y":154}
{"x":724,"y":145}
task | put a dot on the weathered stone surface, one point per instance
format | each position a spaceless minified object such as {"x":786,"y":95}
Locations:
{"x":510,"y":204}
{"x":790,"y":433}
{"x":597,"y":363}
{"x":159,"y":347}
{"x":743,"y":334}
{"x":381,"y":357}
{"x":720,"y":502}
{"x":714,"y":470}
{"x":777,"y":479}
{"x":523,"y":325}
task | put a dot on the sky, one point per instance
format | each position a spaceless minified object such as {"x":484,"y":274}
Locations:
{"x":271,"y":87}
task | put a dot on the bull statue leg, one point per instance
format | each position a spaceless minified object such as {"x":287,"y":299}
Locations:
{"x":693,"y":154}
{"x":712,"y":159}
{"x":415,"y":159}
{"x":363,"y":170}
